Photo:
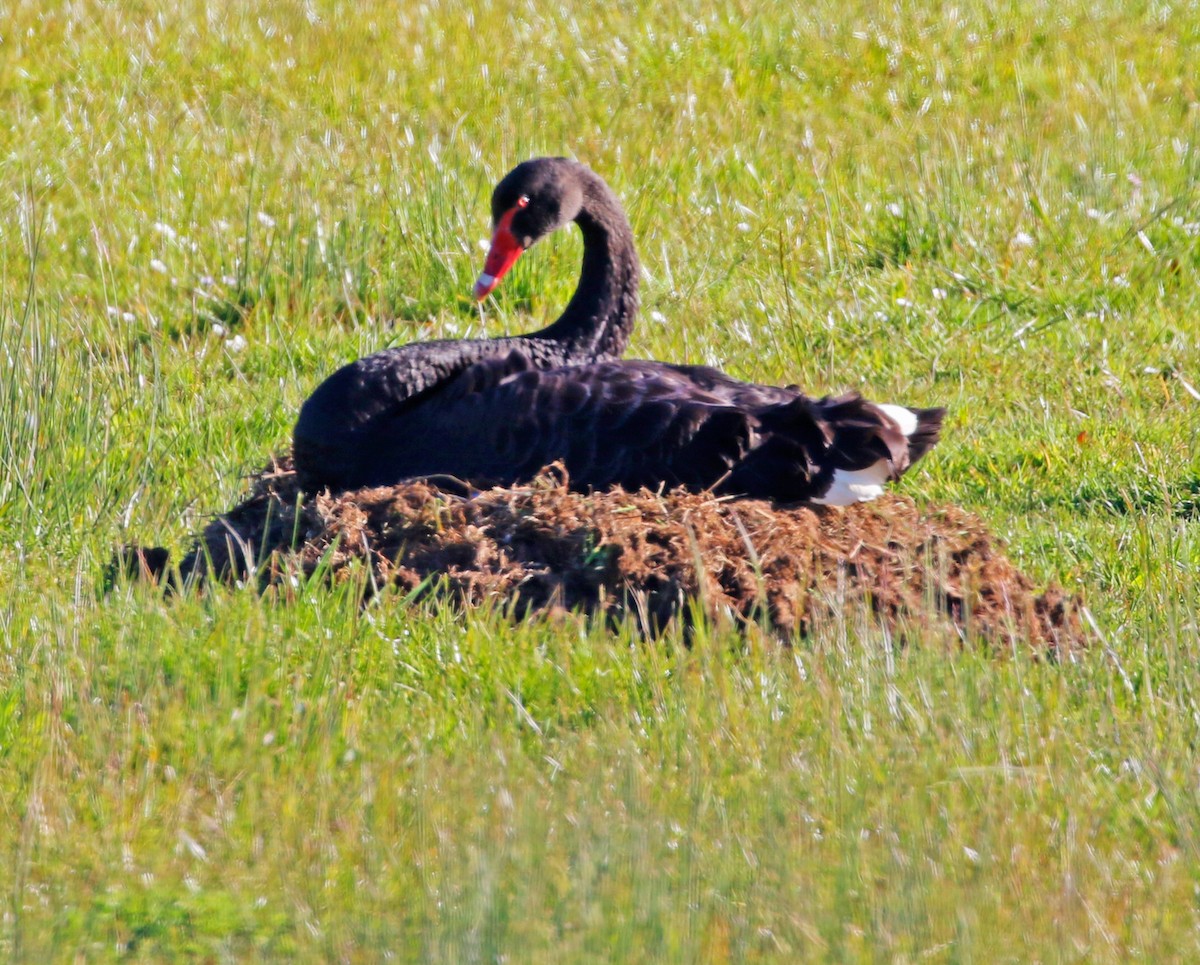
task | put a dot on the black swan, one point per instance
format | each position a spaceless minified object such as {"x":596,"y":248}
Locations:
{"x":497,"y":411}
{"x":360,"y":410}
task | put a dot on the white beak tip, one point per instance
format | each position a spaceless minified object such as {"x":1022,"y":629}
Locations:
{"x":484,"y":285}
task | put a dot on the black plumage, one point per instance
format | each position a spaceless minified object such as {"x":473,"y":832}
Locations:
{"x":636,"y":423}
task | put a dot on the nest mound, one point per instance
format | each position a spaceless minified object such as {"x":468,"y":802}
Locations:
{"x":643,"y":555}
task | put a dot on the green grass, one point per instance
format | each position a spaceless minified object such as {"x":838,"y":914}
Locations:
{"x":203,"y":211}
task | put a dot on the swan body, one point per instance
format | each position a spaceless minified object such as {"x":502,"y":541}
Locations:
{"x":496,"y":411}
{"x":640,"y":423}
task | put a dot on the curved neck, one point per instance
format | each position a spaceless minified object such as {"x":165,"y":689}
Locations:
{"x":598,"y":320}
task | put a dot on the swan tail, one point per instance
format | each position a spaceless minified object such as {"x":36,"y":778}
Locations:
{"x":833,"y":451}
{"x":871,"y":445}
{"x":925,"y":431}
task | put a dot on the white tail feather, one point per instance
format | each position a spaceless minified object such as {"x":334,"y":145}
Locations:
{"x":906,"y":419}
{"x":856,"y":485}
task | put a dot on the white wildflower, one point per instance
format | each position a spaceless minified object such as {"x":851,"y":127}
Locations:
{"x":192,"y":845}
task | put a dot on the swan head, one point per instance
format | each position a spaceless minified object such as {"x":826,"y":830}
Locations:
{"x":534,"y":199}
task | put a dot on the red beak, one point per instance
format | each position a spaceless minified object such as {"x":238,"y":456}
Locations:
{"x":502,"y":255}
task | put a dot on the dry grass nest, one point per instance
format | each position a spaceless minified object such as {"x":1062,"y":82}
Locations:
{"x":640,"y":555}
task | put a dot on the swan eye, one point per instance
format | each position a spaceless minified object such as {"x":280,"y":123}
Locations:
{"x":523,"y":201}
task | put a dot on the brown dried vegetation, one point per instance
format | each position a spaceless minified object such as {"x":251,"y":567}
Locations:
{"x":643,"y":555}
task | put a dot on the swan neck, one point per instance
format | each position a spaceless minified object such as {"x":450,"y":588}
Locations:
{"x":598,"y":320}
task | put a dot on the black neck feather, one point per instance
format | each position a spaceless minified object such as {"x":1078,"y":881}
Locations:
{"x":598,"y":320}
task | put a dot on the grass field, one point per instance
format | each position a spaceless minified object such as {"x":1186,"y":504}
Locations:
{"x":204,"y":211}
